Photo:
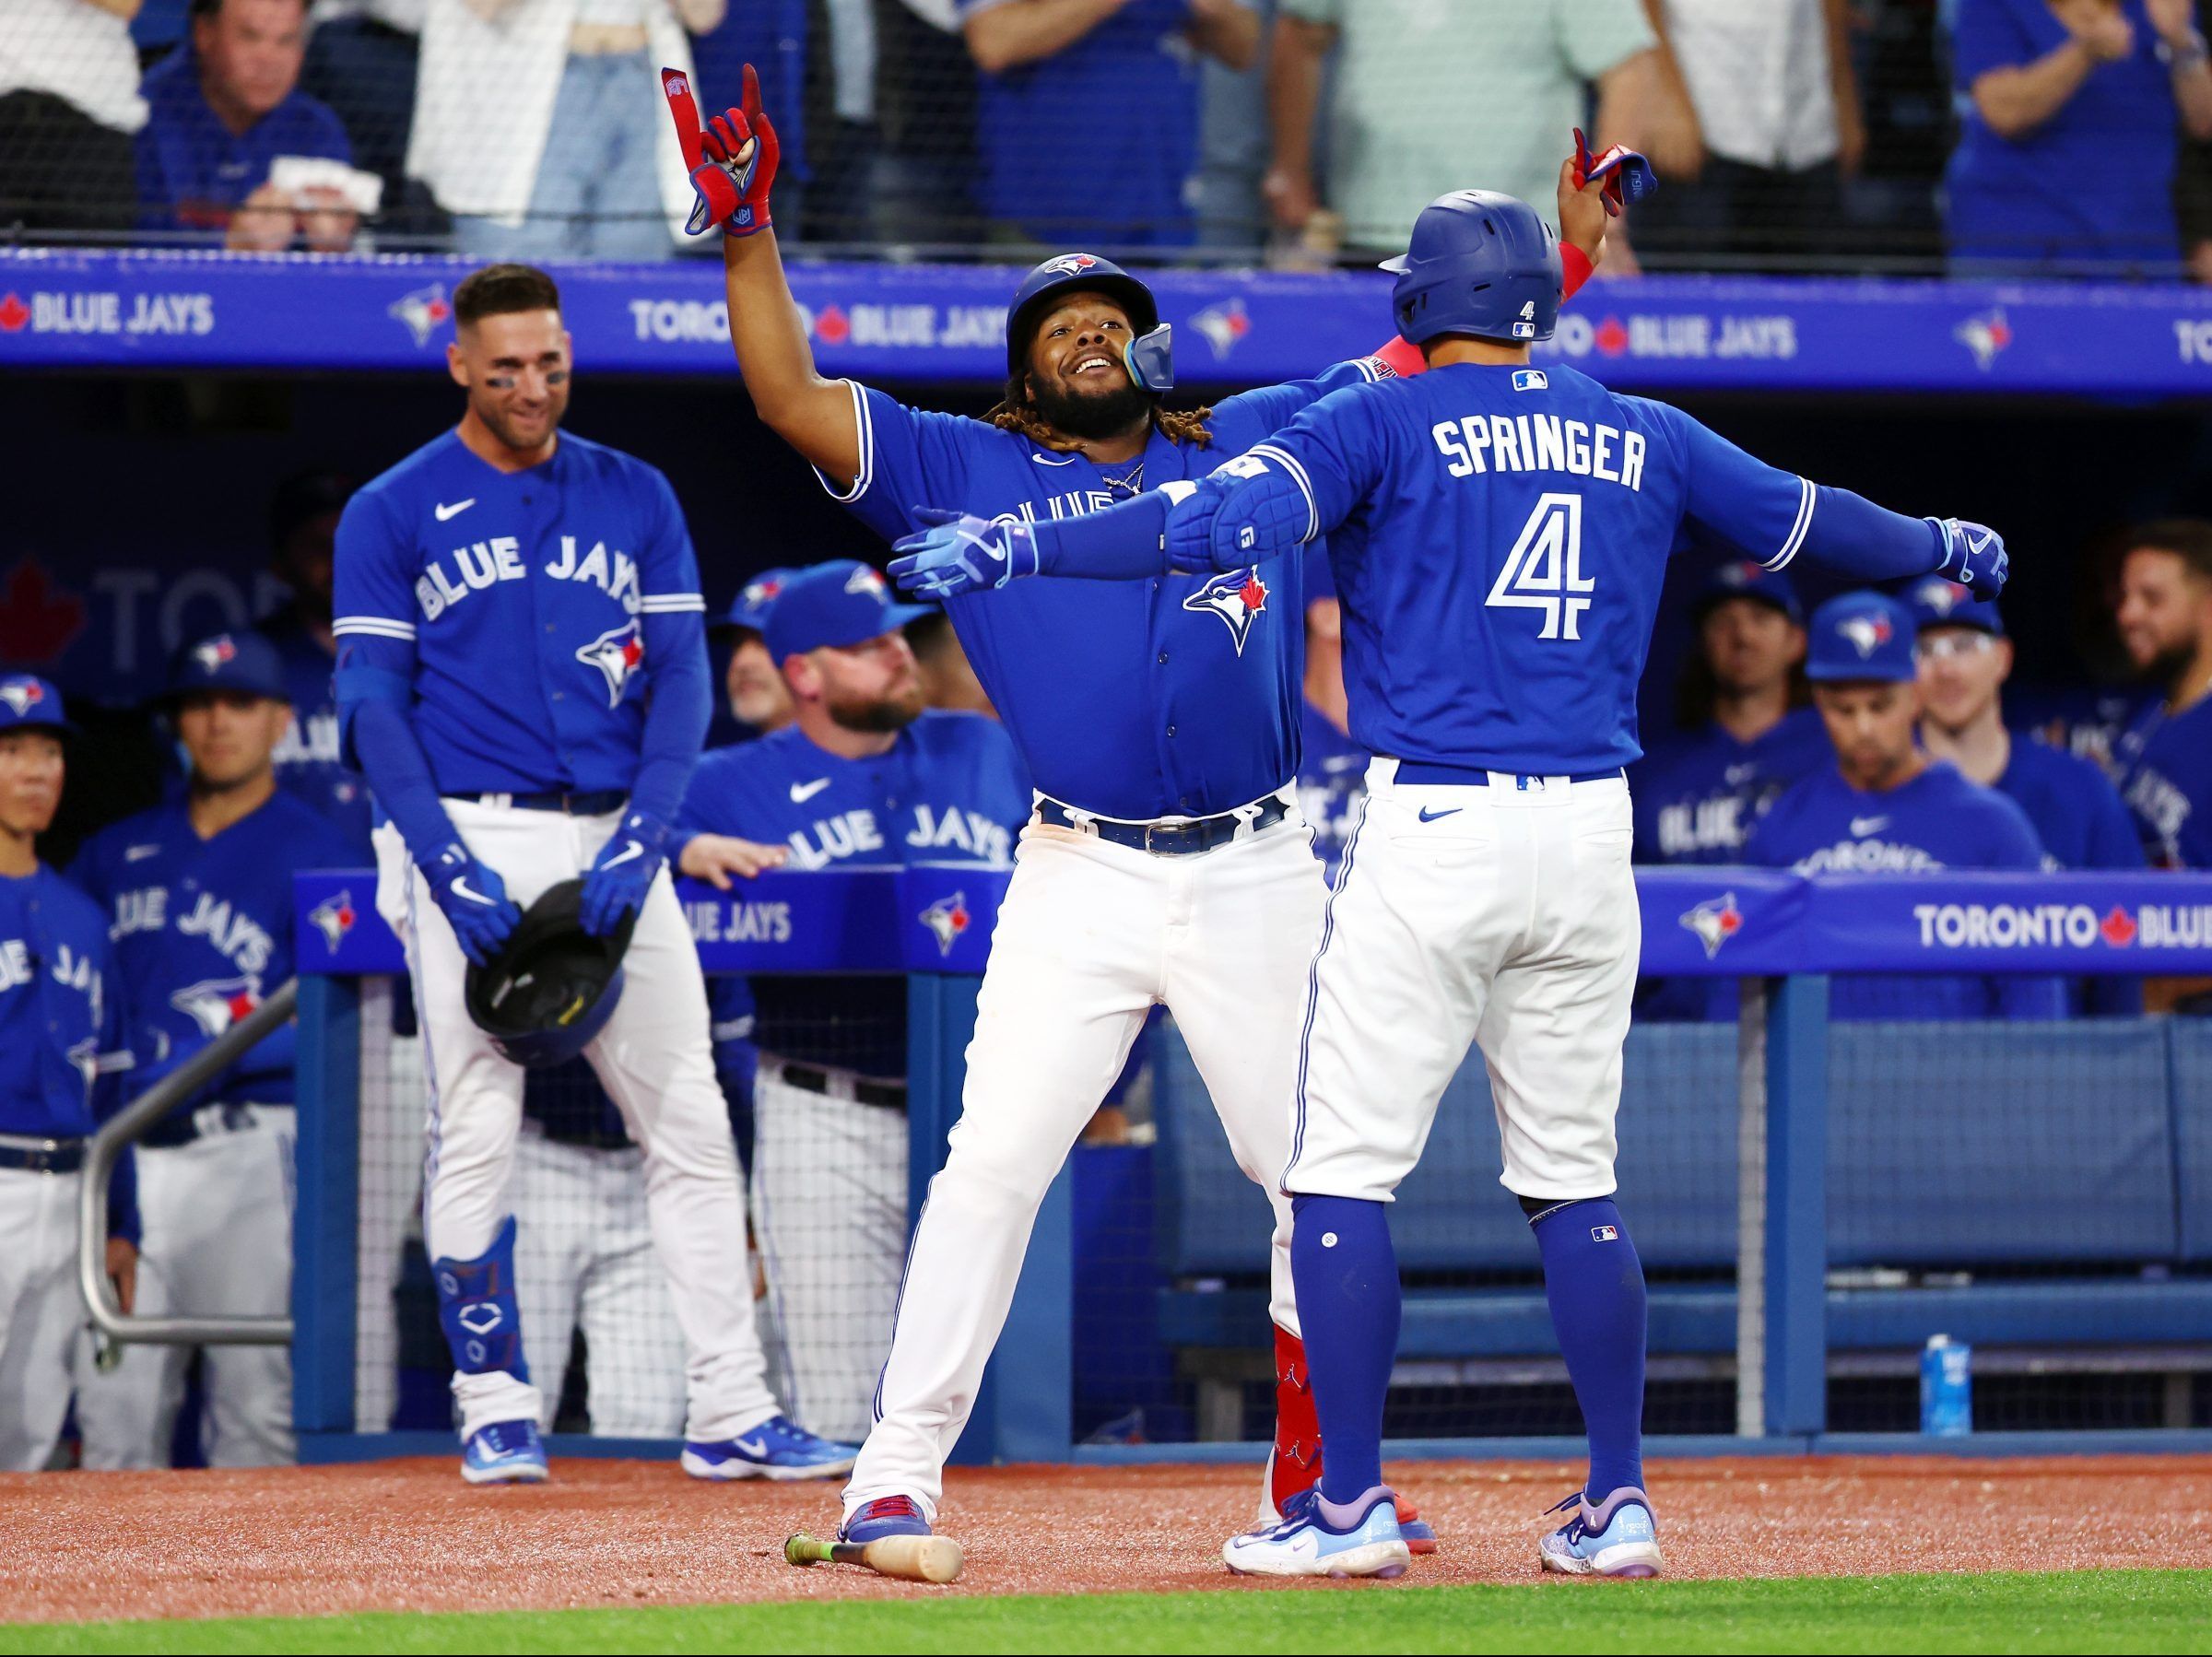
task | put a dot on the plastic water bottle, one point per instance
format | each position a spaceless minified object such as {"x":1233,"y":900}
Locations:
{"x":1946,"y":1387}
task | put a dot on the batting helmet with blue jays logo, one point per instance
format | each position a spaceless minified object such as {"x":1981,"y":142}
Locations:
{"x":1150,"y":354}
{"x":1481,"y":264}
{"x":551,"y":986}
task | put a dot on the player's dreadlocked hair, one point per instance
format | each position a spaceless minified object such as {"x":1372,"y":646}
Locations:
{"x":1017,"y":412}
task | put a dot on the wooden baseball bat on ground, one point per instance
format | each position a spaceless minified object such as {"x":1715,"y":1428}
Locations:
{"x":911,"y":1558}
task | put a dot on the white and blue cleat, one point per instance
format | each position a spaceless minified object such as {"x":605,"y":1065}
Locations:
{"x":506,"y":1452}
{"x":885,"y":1516}
{"x":776,"y":1449}
{"x":1359,"y":1539}
{"x":1615,"y":1538}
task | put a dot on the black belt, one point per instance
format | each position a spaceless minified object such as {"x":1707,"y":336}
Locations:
{"x":1420,"y":773}
{"x":598,"y":802}
{"x":1168,"y":839}
{"x":185,"y":1126}
{"x":812,"y":1078}
{"x":56,"y":1156}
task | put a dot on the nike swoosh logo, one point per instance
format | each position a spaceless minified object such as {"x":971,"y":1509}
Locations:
{"x":461,"y":890}
{"x":139,"y":853}
{"x":753,"y":1446}
{"x":1866,"y":825}
{"x":1044,"y":459}
{"x":456,"y":510}
{"x":803,"y":792}
{"x":635,"y":849}
{"x":1430,"y":815}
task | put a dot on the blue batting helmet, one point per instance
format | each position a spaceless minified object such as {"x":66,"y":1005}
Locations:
{"x":551,"y":986}
{"x":1148,"y":355}
{"x":1479,"y":262}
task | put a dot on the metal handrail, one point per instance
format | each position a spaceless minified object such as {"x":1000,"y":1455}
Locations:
{"x":106,"y":1146}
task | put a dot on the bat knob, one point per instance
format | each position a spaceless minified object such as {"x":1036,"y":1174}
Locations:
{"x":801,"y":1549}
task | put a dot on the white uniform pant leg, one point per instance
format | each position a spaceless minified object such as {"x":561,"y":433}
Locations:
{"x":1075,"y":964}
{"x":1242,"y":924}
{"x":830,"y":1178}
{"x":631,"y":1332}
{"x":40,"y":1312}
{"x":127,"y":1414}
{"x":553,"y":1224}
{"x":241,"y":1264}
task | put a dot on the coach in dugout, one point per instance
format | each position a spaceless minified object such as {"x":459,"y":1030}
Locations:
{"x":2165,"y":754}
{"x":864,"y":775}
{"x":1885,"y":806}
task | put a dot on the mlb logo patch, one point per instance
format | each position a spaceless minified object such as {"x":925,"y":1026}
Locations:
{"x":1530,"y":380}
{"x":1605,"y":1234}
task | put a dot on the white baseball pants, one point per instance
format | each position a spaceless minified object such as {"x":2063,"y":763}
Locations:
{"x":1091,"y":934}
{"x":41,"y":1313}
{"x":655,"y":1061}
{"x":1504,"y":916}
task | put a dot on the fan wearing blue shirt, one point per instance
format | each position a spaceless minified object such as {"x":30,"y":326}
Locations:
{"x":1887,"y":808}
{"x":221,"y":109}
{"x":1965,"y":659}
{"x":2165,"y":755}
{"x":61,"y":1027}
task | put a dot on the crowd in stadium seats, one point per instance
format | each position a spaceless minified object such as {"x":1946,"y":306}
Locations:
{"x":2000,"y":136}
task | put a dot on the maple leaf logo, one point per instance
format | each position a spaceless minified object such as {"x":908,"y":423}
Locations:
{"x":1611,"y":338}
{"x":832,"y":327}
{"x":14,"y":313}
{"x":2119,"y":928}
{"x":38,"y":619}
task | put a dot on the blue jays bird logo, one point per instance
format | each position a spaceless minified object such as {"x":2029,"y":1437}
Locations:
{"x":1866,"y":633}
{"x":213,"y":653}
{"x":946,"y":918}
{"x":1222,"y":325}
{"x":1071,"y":265}
{"x":1715,"y":920}
{"x":22,"y":694}
{"x":422,"y":310}
{"x":616,"y":653}
{"x":333,"y":918}
{"x":216,"y":1003}
{"x":1984,"y":336}
{"x":1939,"y":595}
{"x":1238,"y":598}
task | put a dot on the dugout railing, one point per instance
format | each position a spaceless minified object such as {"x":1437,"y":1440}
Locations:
{"x":1797,"y":1287}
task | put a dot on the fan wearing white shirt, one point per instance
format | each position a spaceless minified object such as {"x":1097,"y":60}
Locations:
{"x":69,"y":105}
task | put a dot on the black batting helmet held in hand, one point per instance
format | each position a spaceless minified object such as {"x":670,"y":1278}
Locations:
{"x":552,"y":986}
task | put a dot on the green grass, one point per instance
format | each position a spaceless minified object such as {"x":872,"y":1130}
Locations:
{"x":2081,"y":1611}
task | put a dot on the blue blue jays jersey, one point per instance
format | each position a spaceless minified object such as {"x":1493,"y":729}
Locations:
{"x":1939,"y":820}
{"x":1698,"y":795}
{"x":61,"y":1008}
{"x":1178,"y":695}
{"x":1332,"y":785}
{"x":2166,"y":780}
{"x":203,"y":930}
{"x":2076,"y":814}
{"x":523,"y":604}
{"x":309,"y":759}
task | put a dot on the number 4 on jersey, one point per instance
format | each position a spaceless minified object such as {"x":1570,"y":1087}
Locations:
{"x":1544,"y":572}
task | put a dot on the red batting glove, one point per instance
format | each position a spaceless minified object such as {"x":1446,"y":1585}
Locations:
{"x":732,"y":158}
{"x":1629,"y":177}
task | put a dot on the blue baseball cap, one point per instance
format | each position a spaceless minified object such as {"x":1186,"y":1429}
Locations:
{"x":1862,"y":636}
{"x":30,"y":703}
{"x":841,"y":603}
{"x":241,"y":662}
{"x":749,"y":609}
{"x":1740,"y":578}
{"x":1936,"y":602}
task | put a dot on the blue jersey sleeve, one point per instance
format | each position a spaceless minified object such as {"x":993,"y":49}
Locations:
{"x":110,"y":1092}
{"x":672,"y":621}
{"x":908,"y":457}
{"x":1332,"y":455}
{"x":1243,"y":420}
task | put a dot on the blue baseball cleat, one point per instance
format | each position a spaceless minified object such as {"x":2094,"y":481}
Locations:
{"x":777,"y":1449}
{"x":1306,"y":1545}
{"x":1617,"y":1538}
{"x":506,"y":1452}
{"x":886,"y":1516}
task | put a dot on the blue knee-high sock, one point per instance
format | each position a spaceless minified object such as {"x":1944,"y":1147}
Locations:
{"x":1349,"y":1303}
{"x":1596,"y":1285}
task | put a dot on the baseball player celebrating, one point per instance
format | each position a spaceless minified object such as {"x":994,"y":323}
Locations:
{"x":61,"y":1019}
{"x":864,"y":775}
{"x":522,"y":675}
{"x":1512,"y":530}
{"x":198,"y":897}
{"x":1165,"y":863}
{"x":2165,"y":754}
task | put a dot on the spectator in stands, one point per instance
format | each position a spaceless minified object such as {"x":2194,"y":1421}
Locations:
{"x":2165,"y":621}
{"x":303,"y":523}
{"x":69,"y":102}
{"x":1965,"y":659}
{"x":225,"y":107}
{"x":1431,"y":97}
{"x":1088,"y":115}
{"x":1761,"y":124}
{"x":363,"y":57}
{"x":539,"y":125}
{"x":2068,"y":114}
{"x":1885,"y":806}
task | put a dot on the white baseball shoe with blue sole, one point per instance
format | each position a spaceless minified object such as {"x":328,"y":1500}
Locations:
{"x":505,"y":1453}
{"x":1306,"y":1543}
{"x":1615,"y":1538}
{"x":777,"y":1449}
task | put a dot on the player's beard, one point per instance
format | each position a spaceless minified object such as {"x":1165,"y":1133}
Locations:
{"x":1092,"y":416}
{"x":878,"y":714}
{"x":2170,"y":670}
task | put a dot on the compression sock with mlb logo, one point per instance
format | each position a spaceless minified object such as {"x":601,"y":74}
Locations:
{"x":1349,"y":1305}
{"x":1594,"y":1284}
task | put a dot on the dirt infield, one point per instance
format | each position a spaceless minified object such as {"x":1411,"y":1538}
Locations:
{"x":409,"y":1535}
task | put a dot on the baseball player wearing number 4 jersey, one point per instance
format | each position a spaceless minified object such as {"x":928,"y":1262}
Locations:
{"x":1513,"y":526}
{"x":522,"y":674}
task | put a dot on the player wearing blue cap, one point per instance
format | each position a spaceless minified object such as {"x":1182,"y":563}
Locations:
{"x":1886,"y":807}
{"x":1513,"y":528}
{"x":61,"y":1027}
{"x":759,"y":700}
{"x":864,"y":775}
{"x":2165,"y":755}
{"x":303,"y":525}
{"x":1159,"y":727}
{"x":1965,"y":659}
{"x":198,"y":898}
{"x":522,"y":674}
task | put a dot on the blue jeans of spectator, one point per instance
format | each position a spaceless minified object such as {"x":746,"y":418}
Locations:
{"x":598,"y":188}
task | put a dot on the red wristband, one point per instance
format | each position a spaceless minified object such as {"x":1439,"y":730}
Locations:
{"x":1575,"y":265}
{"x":1401,"y":356}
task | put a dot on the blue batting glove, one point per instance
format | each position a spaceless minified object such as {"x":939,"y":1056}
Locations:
{"x":962,"y":553}
{"x":1973,"y":556}
{"x":474,"y":899}
{"x":623,"y":872}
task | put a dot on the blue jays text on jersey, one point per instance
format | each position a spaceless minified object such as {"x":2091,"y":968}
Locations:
{"x":1938,"y":820}
{"x":61,"y":1009}
{"x":1698,"y":794}
{"x":523,"y":608}
{"x":2166,"y":780}
{"x":201,"y":931}
{"x":1178,"y":697}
